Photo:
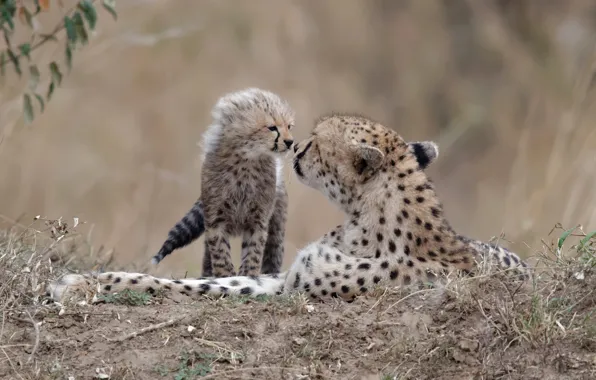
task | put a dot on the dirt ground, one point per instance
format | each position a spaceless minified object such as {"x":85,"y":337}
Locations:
{"x":482,"y":328}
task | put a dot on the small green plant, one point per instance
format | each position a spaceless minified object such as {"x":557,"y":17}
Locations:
{"x":127,"y":297}
{"x":162,"y":370}
{"x":189,"y":368}
{"x":77,"y":22}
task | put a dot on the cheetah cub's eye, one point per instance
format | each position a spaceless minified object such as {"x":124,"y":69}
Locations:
{"x":272,"y":128}
{"x":290,"y":127}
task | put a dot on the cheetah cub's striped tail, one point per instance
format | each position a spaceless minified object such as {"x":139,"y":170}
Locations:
{"x":113,"y":282}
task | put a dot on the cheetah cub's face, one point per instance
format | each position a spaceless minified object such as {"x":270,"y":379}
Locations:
{"x":346,"y":155}
{"x":259,"y":119}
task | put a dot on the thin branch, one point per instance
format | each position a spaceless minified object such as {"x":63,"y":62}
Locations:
{"x":145,"y":330}
{"x":44,"y":39}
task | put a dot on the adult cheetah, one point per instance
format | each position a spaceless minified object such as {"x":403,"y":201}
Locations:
{"x":395,"y":232}
{"x":242,"y":191}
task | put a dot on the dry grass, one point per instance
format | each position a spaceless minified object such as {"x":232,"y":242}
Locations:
{"x":484,"y":327}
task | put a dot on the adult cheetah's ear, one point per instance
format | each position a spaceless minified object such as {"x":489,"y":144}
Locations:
{"x":367,"y":158}
{"x":426,"y":152}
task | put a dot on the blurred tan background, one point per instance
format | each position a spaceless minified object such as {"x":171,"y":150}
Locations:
{"x":504,"y":87}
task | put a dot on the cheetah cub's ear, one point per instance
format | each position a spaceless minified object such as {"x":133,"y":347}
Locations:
{"x":426,"y":152}
{"x":367,"y":158}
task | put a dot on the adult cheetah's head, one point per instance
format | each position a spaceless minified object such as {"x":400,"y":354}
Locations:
{"x":258,"y":121}
{"x":351,"y":153}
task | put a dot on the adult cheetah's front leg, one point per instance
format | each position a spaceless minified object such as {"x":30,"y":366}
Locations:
{"x":274,"y":248}
{"x":217,"y":248}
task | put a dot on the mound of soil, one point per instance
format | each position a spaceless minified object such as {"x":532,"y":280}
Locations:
{"x":485,"y":331}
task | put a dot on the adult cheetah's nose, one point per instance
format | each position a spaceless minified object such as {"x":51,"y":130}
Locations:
{"x":295,"y":148}
{"x":289,"y":143}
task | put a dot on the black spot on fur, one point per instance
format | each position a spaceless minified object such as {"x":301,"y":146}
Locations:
{"x":246,"y":290}
{"x":506,"y":260}
{"x":364,"y":266}
{"x":392,"y":246}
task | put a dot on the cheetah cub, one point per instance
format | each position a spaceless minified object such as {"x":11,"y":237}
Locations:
{"x":242,"y":190}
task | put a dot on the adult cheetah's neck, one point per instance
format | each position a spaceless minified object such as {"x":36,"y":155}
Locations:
{"x":401,"y":216}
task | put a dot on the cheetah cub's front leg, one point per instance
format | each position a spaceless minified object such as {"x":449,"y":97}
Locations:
{"x":217,"y":246}
{"x":253,"y":245}
{"x":274,"y":248}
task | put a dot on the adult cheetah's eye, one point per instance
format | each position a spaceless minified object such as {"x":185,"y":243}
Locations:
{"x":273,"y":128}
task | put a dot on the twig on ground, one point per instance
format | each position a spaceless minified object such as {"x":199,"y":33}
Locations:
{"x":213,"y":345}
{"x":37,"y":334}
{"x":145,"y":330}
{"x":378,"y":301}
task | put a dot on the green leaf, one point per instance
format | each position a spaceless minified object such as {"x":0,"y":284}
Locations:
{"x":28,"y":109}
{"x":70,"y":27}
{"x":68,"y":54}
{"x":80,"y":28}
{"x":110,"y":6}
{"x":56,"y":74}
{"x":586,"y":239}
{"x":564,"y":237}
{"x":15,"y":61}
{"x":89,"y":12}
{"x":51,"y":88}
{"x":7,"y":16}
{"x":25,"y":50}
{"x":41,"y":102}
{"x":33,"y":77}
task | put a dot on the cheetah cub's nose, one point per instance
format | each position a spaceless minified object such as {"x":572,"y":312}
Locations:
{"x":289,"y":143}
{"x":295,"y":148}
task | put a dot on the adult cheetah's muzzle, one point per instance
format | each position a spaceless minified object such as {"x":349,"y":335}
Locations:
{"x":298,"y":157}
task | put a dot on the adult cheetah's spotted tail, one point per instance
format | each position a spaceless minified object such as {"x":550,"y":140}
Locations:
{"x":187,"y":230}
{"x":112,"y":282}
